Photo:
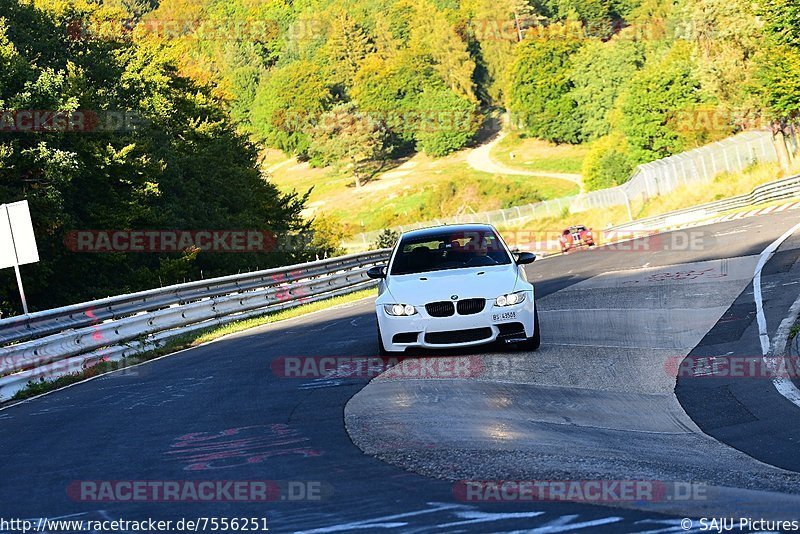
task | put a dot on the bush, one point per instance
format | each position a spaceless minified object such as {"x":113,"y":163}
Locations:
{"x":326,"y":237}
{"x":607,"y":164}
{"x":386,"y":239}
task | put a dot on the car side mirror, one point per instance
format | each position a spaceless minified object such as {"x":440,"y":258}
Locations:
{"x":525,"y":257}
{"x":379,"y":271}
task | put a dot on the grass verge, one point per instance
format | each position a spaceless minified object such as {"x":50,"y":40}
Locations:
{"x":538,"y":155}
{"x":725,"y":185}
{"x":187,"y":341}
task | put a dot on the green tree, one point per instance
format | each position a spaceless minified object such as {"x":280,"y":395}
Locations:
{"x":390,"y":88}
{"x":600,"y":71}
{"x":782,"y":21}
{"x":175,"y":161}
{"x":446,"y":122}
{"x":595,"y":16}
{"x":779,"y":82}
{"x":345,"y":136}
{"x":726,"y":35}
{"x":540,"y":94}
{"x":136,"y":8}
{"x":347,"y":46}
{"x":435,"y":42}
{"x":665,"y":88}
{"x":778,"y":75}
{"x":495,"y":27}
{"x":326,"y":236}
{"x":288,"y":103}
{"x":386,"y":239}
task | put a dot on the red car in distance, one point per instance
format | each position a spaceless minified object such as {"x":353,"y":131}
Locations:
{"x":576,"y":237}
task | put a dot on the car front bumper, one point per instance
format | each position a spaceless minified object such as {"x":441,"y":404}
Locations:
{"x":423,"y":331}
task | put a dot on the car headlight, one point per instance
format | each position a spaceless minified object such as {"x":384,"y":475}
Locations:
{"x":510,"y":299}
{"x":399,"y":309}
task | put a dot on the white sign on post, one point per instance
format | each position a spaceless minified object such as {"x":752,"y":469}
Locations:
{"x":17,"y":242}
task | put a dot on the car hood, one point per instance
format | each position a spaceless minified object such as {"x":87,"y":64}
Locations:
{"x":473,"y":282}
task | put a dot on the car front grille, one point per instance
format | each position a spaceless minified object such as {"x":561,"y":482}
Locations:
{"x":470,"y":306}
{"x":440,"y":309}
{"x":446,"y":308}
{"x":458,"y":336}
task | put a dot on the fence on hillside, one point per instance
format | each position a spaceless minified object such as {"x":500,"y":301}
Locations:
{"x":648,"y":180}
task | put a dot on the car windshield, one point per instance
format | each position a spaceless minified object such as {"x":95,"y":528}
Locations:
{"x":449,"y":250}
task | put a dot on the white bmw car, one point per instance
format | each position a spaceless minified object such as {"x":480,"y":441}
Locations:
{"x":454,"y":286}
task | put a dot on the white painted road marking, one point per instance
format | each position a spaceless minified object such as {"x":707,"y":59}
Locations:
{"x":784,"y":385}
{"x":464,"y":515}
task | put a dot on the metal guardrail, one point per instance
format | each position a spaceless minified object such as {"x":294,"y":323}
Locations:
{"x":769,"y":192}
{"x":777,"y":190}
{"x":52,"y":343}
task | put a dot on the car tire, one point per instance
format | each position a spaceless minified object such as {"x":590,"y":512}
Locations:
{"x":533,"y":342}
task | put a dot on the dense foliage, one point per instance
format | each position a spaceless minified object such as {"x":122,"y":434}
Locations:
{"x":569,"y":71}
{"x":174,"y":160}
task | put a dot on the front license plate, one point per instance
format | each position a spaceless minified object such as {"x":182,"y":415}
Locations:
{"x":504,"y":316}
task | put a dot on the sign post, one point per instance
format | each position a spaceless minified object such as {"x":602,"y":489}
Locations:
{"x":17,"y":241}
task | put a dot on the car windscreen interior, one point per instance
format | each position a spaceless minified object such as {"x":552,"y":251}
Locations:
{"x":448,"y":250}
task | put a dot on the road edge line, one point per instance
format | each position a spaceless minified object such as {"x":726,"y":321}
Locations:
{"x":783,"y":385}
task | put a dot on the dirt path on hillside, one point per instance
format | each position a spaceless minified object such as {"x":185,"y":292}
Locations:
{"x":480,"y":159}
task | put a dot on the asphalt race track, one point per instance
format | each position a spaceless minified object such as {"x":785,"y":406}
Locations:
{"x":598,"y":401}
